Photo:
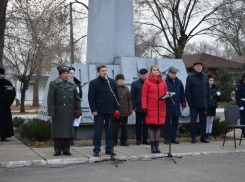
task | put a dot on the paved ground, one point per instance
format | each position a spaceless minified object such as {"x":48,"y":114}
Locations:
{"x":203,"y":168}
{"x":14,"y":154}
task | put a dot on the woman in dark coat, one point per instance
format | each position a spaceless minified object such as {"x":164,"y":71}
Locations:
{"x":155,"y":110}
{"x":212,"y":105}
{"x":7,"y":95}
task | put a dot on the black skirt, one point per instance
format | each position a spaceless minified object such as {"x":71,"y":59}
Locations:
{"x":211,"y":111}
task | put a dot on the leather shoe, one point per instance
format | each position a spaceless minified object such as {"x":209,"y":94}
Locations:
{"x":193,"y":141}
{"x":138,"y":142}
{"x":115,"y":143}
{"x":57,"y":153}
{"x":96,"y":154}
{"x":175,"y":141}
{"x":4,"y":139}
{"x":110,"y":153}
{"x":124,"y":144}
{"x":166,"y":142}
{"x":67,"y":153}
{"x":146,"y":142}
{"x":203,"y":140}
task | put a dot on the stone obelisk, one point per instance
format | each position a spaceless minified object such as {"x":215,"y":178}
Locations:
{"x":110,"y":31}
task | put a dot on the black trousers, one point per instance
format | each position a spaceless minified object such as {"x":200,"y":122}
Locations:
{"x":61,"y":144}
{"x":140,"y":123}
{"x":124,"y":130}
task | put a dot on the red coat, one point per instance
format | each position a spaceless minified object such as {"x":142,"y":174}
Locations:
{"x":156,"y":109}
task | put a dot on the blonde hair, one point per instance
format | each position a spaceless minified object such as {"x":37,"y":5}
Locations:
{"x":151,"y":68}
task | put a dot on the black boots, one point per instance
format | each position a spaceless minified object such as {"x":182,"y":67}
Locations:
{"x":153,"y":147}
{"x":157,"y":146}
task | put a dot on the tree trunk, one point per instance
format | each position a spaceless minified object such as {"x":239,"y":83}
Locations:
{"x":23,"y":96}
{"x":35,"y":102}
{"x":3,"y":7}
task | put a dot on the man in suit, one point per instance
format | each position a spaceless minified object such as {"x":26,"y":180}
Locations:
{"x":136,"y":94}
{"x":197,"y":95}
{"x":102,"y":105}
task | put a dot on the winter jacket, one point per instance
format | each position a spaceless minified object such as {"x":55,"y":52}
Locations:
{"x":136,"y":94}
{"x":153,"y":89}
{"x":240,"y":94}
{"x":179,"y":97}
{"x":62,"y":100}
{"x":197,"y":90}
{"x":100,"y":97}
{"x":214,"y":99}
{"x":125,"y":100}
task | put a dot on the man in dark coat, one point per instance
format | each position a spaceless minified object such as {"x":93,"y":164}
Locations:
{"x":197,"y":95}
{"x":173,"y":109}
{"x":136,"y":94}
{"x":240,"y":99}
{"x":7,"y":96}
{"x":63,"y":100}
{"x":103,"y":101}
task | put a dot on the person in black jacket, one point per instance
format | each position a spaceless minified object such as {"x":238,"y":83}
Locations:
{"x":78,"y":86}
{"x":102,"y":105}
{"x":197,"y":95}
{"x":173,"y":109}
{"x":212,"y":105}
{"x":136,"y":94}
{"x":240,"y":99}
{"x":7,"y":96}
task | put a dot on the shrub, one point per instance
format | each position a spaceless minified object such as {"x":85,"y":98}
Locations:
{"x":218,"y":127}
{"x":17,"y":121}
{"x":36,"y":130}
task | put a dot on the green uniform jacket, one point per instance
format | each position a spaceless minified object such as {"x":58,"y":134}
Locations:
{"x":63,"y":98}
{"x":125,"y":99}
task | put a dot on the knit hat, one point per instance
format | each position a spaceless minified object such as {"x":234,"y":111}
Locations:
{"x":119,"y":76}
{"x":2,"y":71}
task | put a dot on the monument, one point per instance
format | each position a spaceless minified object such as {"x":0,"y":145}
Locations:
{"x":111,"y":42}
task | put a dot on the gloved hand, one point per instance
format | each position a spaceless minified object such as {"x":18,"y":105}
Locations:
{"x":241,"y":108}
{"x":190,"y":105}
{"x":218,"y":93}
{"x":144,"y":111}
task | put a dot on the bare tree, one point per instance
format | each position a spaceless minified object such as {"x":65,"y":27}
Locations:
{"x":36,"y":30}
{"x":178,"y":21}
{"x":231,"y":33}
{"x":3,"y":8}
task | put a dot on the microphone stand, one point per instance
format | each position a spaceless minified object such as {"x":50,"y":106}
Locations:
{"x":170,"y":130}
{"x":112,"y":158}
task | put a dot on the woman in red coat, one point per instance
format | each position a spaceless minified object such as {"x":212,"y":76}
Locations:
{"x":154,"y":109}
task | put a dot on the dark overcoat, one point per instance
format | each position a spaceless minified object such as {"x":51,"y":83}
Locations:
{"x":240,"y":95}
{"x":136,"y":94}
{"x":125,"y":100}
{"x":214,"y":99}
{"x":178,"y":98}
{"x":100,"y":97}
{"x":7,"y":96}
{"x":63,"y":99}
{"x":197,"y":90}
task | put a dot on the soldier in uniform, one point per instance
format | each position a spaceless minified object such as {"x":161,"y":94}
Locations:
{"x":7,"y":96}
{"x":240,"y":99}
{"x":78,"y":86}
{"x":63,"y":99}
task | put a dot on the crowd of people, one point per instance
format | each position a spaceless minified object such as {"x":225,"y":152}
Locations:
{"x":112,"y":102}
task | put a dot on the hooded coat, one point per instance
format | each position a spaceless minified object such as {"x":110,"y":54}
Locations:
{"x":152,"y":90}
{"x":7,"y":96}
{"x":63,"y":99}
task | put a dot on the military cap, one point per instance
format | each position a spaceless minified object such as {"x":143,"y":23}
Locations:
{"x":2,"y":71}
{"x":62,"y":69}
{"x":172,"y":69}
{"x":143,"y":71}
{"x":196,"y":63}
{"x":242,"y":75}
{"x":72,"y":68}
{"x":119,"y":76}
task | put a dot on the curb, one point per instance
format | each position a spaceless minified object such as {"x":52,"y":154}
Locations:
{"x":14,"y":164}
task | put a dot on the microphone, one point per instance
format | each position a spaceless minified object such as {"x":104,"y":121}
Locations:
{"x":107,"y":78}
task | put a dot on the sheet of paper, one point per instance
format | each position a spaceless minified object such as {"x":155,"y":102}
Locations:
{"x":77,"y":121}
